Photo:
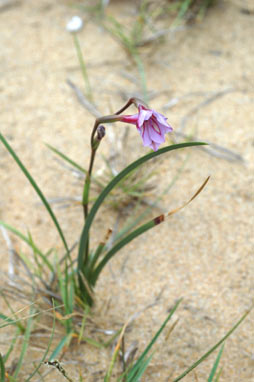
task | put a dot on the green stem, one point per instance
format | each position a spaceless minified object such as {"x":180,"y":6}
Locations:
{"x":83,"y":67}
{"x":142,"y":75}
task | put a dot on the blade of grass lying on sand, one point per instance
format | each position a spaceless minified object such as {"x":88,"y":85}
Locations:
{"x":36,"y":188}
{"x":210,"y":351}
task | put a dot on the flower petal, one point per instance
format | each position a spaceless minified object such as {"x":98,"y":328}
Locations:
{"x":143,"y":116}
{"x":146,"y":136}
{"x":155,"y":136}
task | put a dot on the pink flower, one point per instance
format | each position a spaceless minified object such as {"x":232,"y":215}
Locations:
{"x":152,"y":126}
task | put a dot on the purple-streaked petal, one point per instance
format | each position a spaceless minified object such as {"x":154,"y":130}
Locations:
{"x":165,"y":129}
{"x":144,"y":115}
{"x":162,"y":120}
{"x":146,"y":137}
{"x":154,"y":146}
{"x":156,"y":137}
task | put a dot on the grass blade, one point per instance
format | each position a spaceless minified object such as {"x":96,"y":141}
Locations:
{"x":73,"y":163}
{"x":25,"y":343}
{"x":46,"y":352}
{"x":64,"y":342}
{"x":2,"y":371}
{"x":140,"y":230}
{"x":28,"y":242}
{"x":36,"y":188}
{"x":11,"y":347}
{"x":210,"y":351}
{"x":140,"y":362}
{"x":8,"y":321}
{"x":216,"y":364}
{"x":67,"y":159}
{"x":142,"y":368}
{"x":111,"y":185}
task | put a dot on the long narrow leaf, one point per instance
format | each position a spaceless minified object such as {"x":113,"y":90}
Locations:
{"x":36,"y":188}
{"x":210,"y":351}
{"x":67,"y":159}
{"x":64,"y":341}
{"x":140,"y":230}
{"x":73,"y":163}
{"x":134,"y":370}
{"x":45,"y":353}
{"x":28,"y":242}
{"x":140,"y":371}
{"x":132,"y":223}
{"x":7,"y":320}
{"x":2,"y":371}
{"x":112,"y":184}
{"x":25,"y":343}
{"x":11,"y":346}
{"x":216,"y":364}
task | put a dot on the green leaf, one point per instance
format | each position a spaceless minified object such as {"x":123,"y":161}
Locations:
{"x":73,"y":163}
{"x":111,"y":185}
{"x":25,"y":342}
{"x":36,"y":188}
{"x":29,"y":242}
{"x":45,"y":353}
{"x":64,"y":341}
{"x":12,"y":344}
{"x":8,"y":321}
{"x":216,"y":364}
{"x":2,"y":371}
{"x":210,"y":351}
{"x":67,"y":159}
{"x":139,"y":231}
{"x":142,"y":360}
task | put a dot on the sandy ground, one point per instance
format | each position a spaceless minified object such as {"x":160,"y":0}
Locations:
{"x":205,"y":253}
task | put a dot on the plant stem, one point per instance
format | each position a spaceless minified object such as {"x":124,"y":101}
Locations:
{"x":83,"y":67}
{"x":94,"y":147}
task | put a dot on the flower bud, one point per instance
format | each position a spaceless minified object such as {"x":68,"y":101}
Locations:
{"x":100,"y":134}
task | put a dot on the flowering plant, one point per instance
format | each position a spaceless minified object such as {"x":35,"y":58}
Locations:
{"x":152,"y":127}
